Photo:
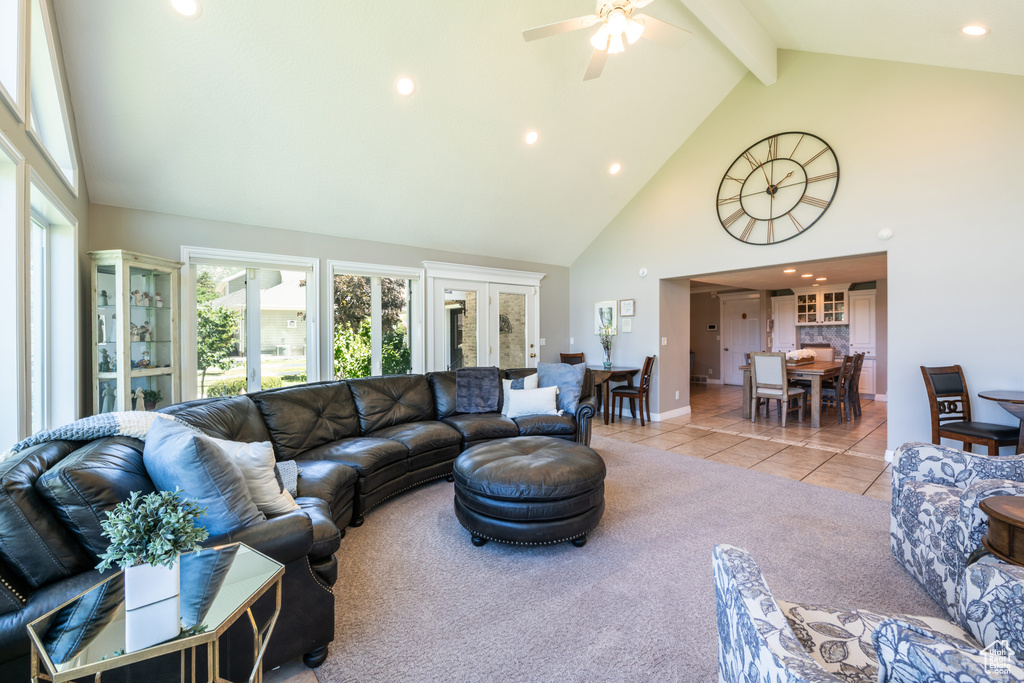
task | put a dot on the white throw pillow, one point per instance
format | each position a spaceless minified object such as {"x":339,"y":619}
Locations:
{"x":256,"y":460}
{"x":529,"y":382}
{"x":533,"y":402}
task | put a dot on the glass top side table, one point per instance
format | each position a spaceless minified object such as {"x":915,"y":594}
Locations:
{"x":86,"y":635}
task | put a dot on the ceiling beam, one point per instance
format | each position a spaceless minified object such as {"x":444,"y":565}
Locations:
{"x":734,"y":26}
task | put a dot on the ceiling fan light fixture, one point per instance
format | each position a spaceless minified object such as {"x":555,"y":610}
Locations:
{"x":600,"y":39}
{"x":634,"y":29}
{"x":615,"y":45}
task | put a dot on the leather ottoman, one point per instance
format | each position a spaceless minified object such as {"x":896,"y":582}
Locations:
{"x":529,"y":490}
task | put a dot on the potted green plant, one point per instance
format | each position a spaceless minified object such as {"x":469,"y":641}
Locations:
{"x":147,"y":535}
{"x":605,"y":335}
{"x":151,"y":397}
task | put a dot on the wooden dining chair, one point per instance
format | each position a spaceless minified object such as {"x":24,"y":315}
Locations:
{"x":950,"y":405}
{"x":855,"y":384}
{"x":821,"y":350}
{"x":571,"y":358}
{"x":838,"y":394}
{"x":640,"y":393}
{"x":768,"y":382}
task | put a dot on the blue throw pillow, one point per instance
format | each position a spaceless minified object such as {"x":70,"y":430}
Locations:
{"x":568,"y":379}
{"x":176,"y":456}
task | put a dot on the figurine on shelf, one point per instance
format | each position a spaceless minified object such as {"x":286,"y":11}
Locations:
{"x":108,"y":395}
{"x":146,"y":299}
{"x":134,"y":332}
{"x":140,"y":399}
{"x":105,"y":361}
{"x":159,"y":300}
{"x":145,"y":333}
{"x":137,"y":297}
{"x":144,"y":362}
{"x":112,"y":336}
{"x":101,"y":330}
{"x":103,"y":298}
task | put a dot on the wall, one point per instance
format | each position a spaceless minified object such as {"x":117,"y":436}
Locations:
{"x":928,"y":152}
{"x":706,"y":345}
{"x":163,"y":235}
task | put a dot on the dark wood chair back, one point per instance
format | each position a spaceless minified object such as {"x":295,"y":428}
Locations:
{"x":646,"y":373}
{"x":948,"y":399}
{"x":572,"y":358}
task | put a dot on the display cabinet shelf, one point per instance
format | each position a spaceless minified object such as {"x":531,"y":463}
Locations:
{"x":135,"y":331}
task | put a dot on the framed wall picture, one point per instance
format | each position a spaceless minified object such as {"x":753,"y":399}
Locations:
{"x":604,"y":316}
{"x":626,"y":307}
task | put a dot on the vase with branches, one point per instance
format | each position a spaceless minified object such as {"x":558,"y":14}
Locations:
{"x":605,"y":335}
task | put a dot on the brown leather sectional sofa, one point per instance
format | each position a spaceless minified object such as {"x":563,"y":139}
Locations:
{"x":357,"y":442}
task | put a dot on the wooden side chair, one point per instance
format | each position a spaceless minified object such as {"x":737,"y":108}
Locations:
{"x":571,"y":358}
{"x":768,"y":382}
{"x":640,"y":393}
{"x":855,"y":384}
{"x":950,"y":405}
{"x":839,"y":394}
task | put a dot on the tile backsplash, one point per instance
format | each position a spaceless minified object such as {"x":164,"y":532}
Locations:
{"x":836,"y":335}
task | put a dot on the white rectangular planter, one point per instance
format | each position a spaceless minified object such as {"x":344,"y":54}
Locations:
{"x":153,"y":605}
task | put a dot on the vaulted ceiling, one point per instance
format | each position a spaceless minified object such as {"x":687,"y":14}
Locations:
{"x":285,"y":114}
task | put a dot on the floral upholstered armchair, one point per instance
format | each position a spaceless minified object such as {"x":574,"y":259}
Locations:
{"x":936,"y":523}
{"x":764,"y":639}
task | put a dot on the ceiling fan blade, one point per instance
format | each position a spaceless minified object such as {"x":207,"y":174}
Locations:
{"x":596,"y":65}
{"x":561,"y":27}
{"x":662,"y":32}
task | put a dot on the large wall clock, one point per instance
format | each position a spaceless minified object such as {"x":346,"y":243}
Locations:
{"x":778,"y":188}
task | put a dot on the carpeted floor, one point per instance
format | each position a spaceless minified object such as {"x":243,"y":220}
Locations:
{"x":417,"y":602}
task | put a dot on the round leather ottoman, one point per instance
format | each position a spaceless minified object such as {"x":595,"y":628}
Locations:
{"x":529,"y":490}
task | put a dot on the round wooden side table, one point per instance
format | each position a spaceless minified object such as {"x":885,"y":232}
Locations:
{"x":1005,"y":537}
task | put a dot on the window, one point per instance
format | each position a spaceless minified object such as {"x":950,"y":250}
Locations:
{"x":48,"y":122}
{"x":52,"y":312}
{"x":377,"y":322}
{"x":10,"y":52}
{"x":251,"y":322}
{"x":10,"y":420}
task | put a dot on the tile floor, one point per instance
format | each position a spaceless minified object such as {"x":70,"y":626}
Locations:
{"x":849,"y":456}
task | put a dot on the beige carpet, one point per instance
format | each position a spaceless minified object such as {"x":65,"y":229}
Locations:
{"x":417,"y":602}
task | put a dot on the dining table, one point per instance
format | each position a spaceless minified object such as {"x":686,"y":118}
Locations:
{"x":1013,"y":403}
{"x":603,"y":377}
{"x":815,"y":373}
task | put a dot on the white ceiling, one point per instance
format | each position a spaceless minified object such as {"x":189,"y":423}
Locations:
{"x":284,"y":114}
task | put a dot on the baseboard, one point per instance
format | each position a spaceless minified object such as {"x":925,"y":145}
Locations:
{"x":714,"y":381}
{"x":888,"y":455}
{"x":881,"y":397}
{"x":678,"y":412}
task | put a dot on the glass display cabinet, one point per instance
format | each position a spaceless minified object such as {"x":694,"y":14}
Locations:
{"x":135,"y":351}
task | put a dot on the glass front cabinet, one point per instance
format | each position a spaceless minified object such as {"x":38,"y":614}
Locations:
{"x":821,"y":306}
{"x":136,"y":358}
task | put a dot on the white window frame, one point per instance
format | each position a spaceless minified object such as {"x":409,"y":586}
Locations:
{"x":13,"y":279}
{"x":15,"y":100}
{"x":246,"y":259}
{"x":417,"y":333}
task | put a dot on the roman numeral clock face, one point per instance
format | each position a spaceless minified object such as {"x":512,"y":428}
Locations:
{"x":778,"y":188}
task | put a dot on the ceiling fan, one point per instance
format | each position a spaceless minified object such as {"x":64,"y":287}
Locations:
{"x":618,"y":21}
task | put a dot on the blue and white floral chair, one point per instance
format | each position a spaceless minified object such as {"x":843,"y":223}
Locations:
{"x":936,"y":523}
{"x":761,"y":639}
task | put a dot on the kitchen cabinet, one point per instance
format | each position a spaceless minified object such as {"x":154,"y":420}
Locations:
{"x":822,"y":305}
{"x":784,"y":317}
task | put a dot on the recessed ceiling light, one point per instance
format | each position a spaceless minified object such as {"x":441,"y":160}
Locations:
{"x":808,"y":275}
{"x":615,"y":168}
{"x":405,"y":86}
{"x":188,"y":8}
{"x":821,"y":279}
{"x":815,"y":285}
{"x":789,"y":270}
{"x":531,"y":137}
{"x":974,"y":30}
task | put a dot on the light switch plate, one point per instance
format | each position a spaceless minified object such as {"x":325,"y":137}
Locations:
{"x":543,"y":341}
{"x":571,"y":341}
{"x":664,"y":341}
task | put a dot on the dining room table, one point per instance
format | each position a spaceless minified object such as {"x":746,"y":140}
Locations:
{"x":815,"y":373}
{"x":603,"y":377}
{"x":1013,"y":403}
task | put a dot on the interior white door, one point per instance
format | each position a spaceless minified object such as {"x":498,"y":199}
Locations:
{"x":741,"y":328}
{"x":512,"y":329}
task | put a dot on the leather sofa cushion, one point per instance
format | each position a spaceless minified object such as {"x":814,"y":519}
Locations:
{"x":546,"y":425}
{"x":304,"y":417}
{"x":392,"y":400}
{"x":364,"y":455}
{"x":234,"y":418}
{"x":481,"y":426}
{"x":333,"y":482}
{"x":87,"y":484}
{"x":326,"y":535}
{"x":420,"y":437}
{"x":33,"y":541}
{"x":443,"y":386}
{"x":177,"y":457}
